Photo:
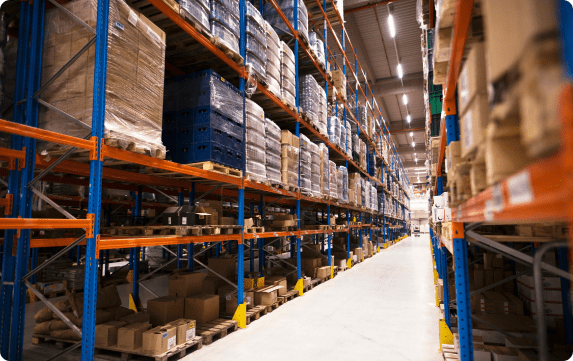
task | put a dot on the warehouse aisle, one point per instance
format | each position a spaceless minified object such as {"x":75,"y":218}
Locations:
{"x":383,"y":309}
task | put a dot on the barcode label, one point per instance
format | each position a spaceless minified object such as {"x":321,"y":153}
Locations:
{"x":189,"y":334}
{"x":519,"y":187}
{"x":183,"y":220}
{"x":171,"y":342}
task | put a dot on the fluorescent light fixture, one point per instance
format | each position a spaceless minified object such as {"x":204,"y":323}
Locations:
{"x":391,"y":25}
{"x":400,"y":72}
{"x":413,"y":144}
{"x":416,"y":160}
{"x":409,"y":118}
{"x":405,"y":99}
{"x":411,"y":134}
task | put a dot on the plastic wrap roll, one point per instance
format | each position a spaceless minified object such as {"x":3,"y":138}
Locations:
{"x":198,"y":10}
{"x":222,"y":14}
{"x":255,"y":125}
{"x":255,"y":153}
{"x":254,"y":109}
{"x":273,"y":146}
{"x":272,"y":130}
{"x":225,"y":35}
{"x":255,"y":138}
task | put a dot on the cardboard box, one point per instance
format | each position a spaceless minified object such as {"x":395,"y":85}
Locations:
{"x":202,"y":308}
{"x":159,"y":339}
{"x":473,"y":123}
{"x":106,"y":333}
{"x":163,"y":310}
{"x":130,"y":337}
{"x":184,"y":283}
{"x":473,"y":78}
{"x":212,"y":284}
{"x":358,"y":253}
{"x":277,"y":281}
{"x":510,"y":27}
{"x":138,"y":317}
{"x":505,"y":155}
{"x":501,"y":353}
{"x":322,"y":272}
{"x":228,"y":221}
{"x":225,"y":267}
{"x":184,"y":329}
{"x":288,"y":138}
{"x":266,"y":296}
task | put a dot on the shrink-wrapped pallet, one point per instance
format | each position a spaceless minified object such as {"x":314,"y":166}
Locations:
{"x":324,"y":170}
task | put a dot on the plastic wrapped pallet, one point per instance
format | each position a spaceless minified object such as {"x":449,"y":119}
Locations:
{"x":322,"y":112}
{"x":287,"y":7}
{"x":256,"y":42}
{"x":135,"y":76}
{"x":288,"y":89}
{"x":224,"y":36}
{"x":343,"y":181}
{"x":334,"y":130}
{"x":289,"y":165}
{"x":273,"y":64}
{"x":349,"y":140}
{"x":203,"y":125}
{"x":273,"y":147}
{"x":342,"y":137}
{"x":333,"y":180}
{"x":324,"y":170}
{"x":339,"y":190}
{"x":309,"y":98}
{"x":255,"y":139}
{"x":224,"y":14}
{"x":315,"y":169}
{"x":305,"y":164}
{"x":196,"y":10}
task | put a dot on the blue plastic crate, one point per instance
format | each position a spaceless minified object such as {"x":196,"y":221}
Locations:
{"x":169,"y":121}
{"x":208,"y":152}
{"x":212,"y":117}
{"x":204,"y":133}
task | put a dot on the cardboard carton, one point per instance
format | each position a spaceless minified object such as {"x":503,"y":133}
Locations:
{"x":202,"y":308}
{"x":130,"y":337}
{"x":225,"y":267}
{"x":106,"y":333}
{"x":159,"y":339}
{"x":288,"y":138}
{"x":185,"y":329}
{"x":139,"y":317}
{"x":165,"y":309}
{"x":473,"y":78}
{"x":277,"y":281}
{"x":184,"y":284}
{"x":322,"y":272}
{"x":212,"y":284}
{"x":266,"y":296}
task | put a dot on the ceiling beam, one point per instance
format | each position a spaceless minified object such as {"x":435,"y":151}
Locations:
{"x":413,"y":82}
{"x":358,"y":8}
{"x":414,"y":124}
{"x":359,"y":46}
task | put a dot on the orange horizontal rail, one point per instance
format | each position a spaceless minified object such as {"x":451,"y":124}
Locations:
{"x":114,"y":243}
{"x":39,"y":223}
{"x":41,"y":134}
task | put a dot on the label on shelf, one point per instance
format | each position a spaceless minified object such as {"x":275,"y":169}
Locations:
{"x":488,"y":210}
{"x":519,"y":187}
{"x":497,"y":198}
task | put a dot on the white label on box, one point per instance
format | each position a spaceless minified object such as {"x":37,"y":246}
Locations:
{"x":189,"y":334}
{"x":183,"y":220}
{"x":519,"y":187}
{"x":171,"y":342}
{"x":168,"y":220}
{"x":132,"y":19}
{"x":468,"y":131}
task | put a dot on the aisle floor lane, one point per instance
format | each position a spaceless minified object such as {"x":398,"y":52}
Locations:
{"x":383,"y":309}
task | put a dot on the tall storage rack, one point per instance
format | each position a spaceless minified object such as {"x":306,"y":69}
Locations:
{"x":23,"y":164}
{"x":543,"y":191}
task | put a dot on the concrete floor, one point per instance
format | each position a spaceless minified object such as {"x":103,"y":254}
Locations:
{"x":383,"y":309}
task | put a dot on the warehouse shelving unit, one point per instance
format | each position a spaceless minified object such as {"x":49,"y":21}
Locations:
{"x":25,"y":167}
{"x":540,"y":192}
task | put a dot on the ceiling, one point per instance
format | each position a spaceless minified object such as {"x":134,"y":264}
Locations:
{"x":366,"y":22}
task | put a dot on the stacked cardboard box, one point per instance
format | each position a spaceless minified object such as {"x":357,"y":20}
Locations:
{"x":339,"y":80}
{"x":135,"y":72}
{"x":289,"y":158}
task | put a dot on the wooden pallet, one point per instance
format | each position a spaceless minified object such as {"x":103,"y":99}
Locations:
{"x":255,"y":313}
{"x":274,"y":306}
{"x":289,"y":296}
{"x":317,"y":281}
{"x":149,"y":149}
{"x":31,"y":297}
{"x":230,"y":229}
{"x":215,"y":167}
{"x":222,"y":45}
{"x":256,"y":179}
{"x":286,"y":187}
{"x":216,"y":329}
{"x":114,"y":353}
{"x":148,"y":230}
{"x":255,"y":230}
{"x":282,"y":229}
{"x":60,"y":343}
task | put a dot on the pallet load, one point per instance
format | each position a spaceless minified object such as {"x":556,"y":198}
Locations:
{"x":324,"y":170}
{"x":310,"y":98}
{"x":288,"y":88}
{"x":315,"y":170}
{"x":223,"y":21}
{"x":333,"y":180}
{"x":256,"y":43}
{"x":348,"y":147}
{"x":204,"y":125}
{"x":356,"y":147}
{"x":287,"y":6}
{"x":363,"y":119}
{"x":255,"y":165}
{"x":273,"y":64}
{"x":334,"y":130}
{"x":273,"y":150}
{"x":362,"y":154}
{"x":374,"y":198}
{"x":135,"y":61}
{"x":339,"y":80}
{"x":289,"y":158}
{"x":305,"y":165}
{"x":322,"y":112}
{"x":317,"y":46}
{"x":342,"y":136}
{"x":343,"y":182}
{"x":354,"y":196}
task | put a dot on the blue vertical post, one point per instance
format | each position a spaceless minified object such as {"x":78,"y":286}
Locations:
{"x":444,"y":266}
{"x":462,"y":292}
{"x":348,"y":234}
{"x":179,"y":252}
{"x":191,"y":246}
{"x":329,"y":239}
{"x":135,"y":289}
{"x":241,"y":193}
{"x":96,"y":170}
{"x":566,"y":297}
{"x":35,"y":17}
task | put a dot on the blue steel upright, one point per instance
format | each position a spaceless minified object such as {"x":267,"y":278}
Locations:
{"x":241,"y":192}
{"x":96,"y":171}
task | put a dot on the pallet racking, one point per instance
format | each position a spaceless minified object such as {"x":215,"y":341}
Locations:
{"x":540,"y":192}
{"x":25,"y":167}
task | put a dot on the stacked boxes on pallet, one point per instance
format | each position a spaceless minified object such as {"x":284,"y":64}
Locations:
{"x":313,"y":102}
{"x":305,"y":164}
{"x":356,"y":147}
{"x":273,"y":64}
{"x":333,"y":180}
{"x":288,"y":89}
{"x":374,"y":198}
{"x":135,"y":62}
{"x":324,"y":170}
{"x":334,"y":130}
{"x":289,"y":158}
{"x":348,"y":147}
{"x":339,"y":190}
{"x":203,"y":120}
{"x":256,"y":42}
{"x":255,"y":140}
{"x":343,"y":181}
{"x":317,"y":46}
{"x":339,"y":80}
{"x":354,"y":193}
{"x":224,"y":21}
{"x":287,"y":7}
{"x":315,"y":169}
{"x":322,"y":111}
{"x":342,"y":136}
{"x":273,"y":146}
{"x":363,"y":118}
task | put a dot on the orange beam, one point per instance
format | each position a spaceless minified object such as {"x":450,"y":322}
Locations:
{"x":114,"y":243}
{"x":38,"y":223}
